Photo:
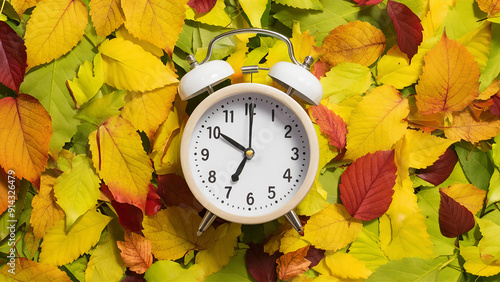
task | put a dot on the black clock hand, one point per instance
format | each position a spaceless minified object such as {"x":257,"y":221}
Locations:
{"x":252,"y":108}
{"x":236,"y":176}
{"x":233,"y":142}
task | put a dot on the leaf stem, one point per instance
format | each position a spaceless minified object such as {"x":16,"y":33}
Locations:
{"x":3,"y":4}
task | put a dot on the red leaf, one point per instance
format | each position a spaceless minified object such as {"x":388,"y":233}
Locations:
{"x":314,"y":256}
{"x":454,"y":219}
{"x":331,"y":124}
{"x":367,"y":2}
{"x":174,"y":191}
{"x":261,"y":265}
{"x":12,"y":57}
{"x":320,"y":68}
{"x":495,"y":109}
{"x":366,"y":185}
{"x":408,"y":27}
{"x":153,"y":201}
{"x":129,"y":216}
{"x":441,"y":169}
{"x":202,"y":6}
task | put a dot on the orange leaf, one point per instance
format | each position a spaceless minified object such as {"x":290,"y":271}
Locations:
{"x":491,"y":7}
{"x":292,"y":264}
{"x":136,"y":252}
{"x":449,"y":80}
{"x":25,"y":131}
{"x":331,"y":124}
{"x":466,"y":127}
{"x":355,"y":42}
{"x":28,"y":270}
{"x":121,"y":161}
{"x":8,"y":190}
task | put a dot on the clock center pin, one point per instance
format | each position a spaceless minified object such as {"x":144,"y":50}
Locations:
{"x":249,"y":153}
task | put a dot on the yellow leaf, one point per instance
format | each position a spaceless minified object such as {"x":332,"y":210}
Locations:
{"x":88,"y":82}
{"x":433,"y":19}
{"x":105,"y":263}
{"x":61,"y":247}
{"x":478,"y":43}
{"x":121,"y":161}
{"x":146,"y":111}
{"x":314,"y":201}
{"x":346,"y":266}
{"x":489,"y":245}
{"x":425,"y":148}
{"x":449,"y":80}
{"x":106,"y":16}
{"x":237,"y":58}
{"x":344,"y":109}
{"x":165,"y":271}
{"x":466,"y":127}
{"x":491,"y":7}
{"x":122,"y":32}
{"x":54,"y":28}
{"x":167,"y":141}
{"x":332,"y":228}
{"x":22,"y":5}
{"x":303,"y":43}
{"x":128,"y":66}
{"x":395,"y":69}
{"x":326,"y":151}
{"x":136,"y":252}
{"x":302,"y":4}
{"x":217,"y":16}
{"x":213,"y":259}
{"x":467,"y":195}
{"x":28,"y":270}
{"x":46,"y":212}
{"x":491,"y":90}
{"x":254,"y":9}
{"x":77,"y":189}
{"x":291,"y":241}
{"x":372,"y":128}
{"x":26,"y":129}
{"x":355,"y":42}
{"x":475,"y":265}
{"x":172,"y":233}
{"x":346,"y":80}
{"x":155,"y":21}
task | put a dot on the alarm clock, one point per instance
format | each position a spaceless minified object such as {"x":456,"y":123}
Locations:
{"x":249,"y":151}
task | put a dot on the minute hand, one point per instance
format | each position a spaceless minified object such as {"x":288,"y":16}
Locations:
{"x":252,"y":108}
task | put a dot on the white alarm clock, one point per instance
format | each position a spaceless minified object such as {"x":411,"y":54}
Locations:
{"x":249,"y":152}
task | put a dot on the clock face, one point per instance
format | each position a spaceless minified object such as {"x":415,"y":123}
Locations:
{"x":248,"y":155}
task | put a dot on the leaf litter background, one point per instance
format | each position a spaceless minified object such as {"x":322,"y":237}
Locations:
{"x":90,"y":123}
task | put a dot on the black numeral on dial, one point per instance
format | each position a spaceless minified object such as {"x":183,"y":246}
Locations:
{"x":287,"y":175}
{"x":250,"y":199}
{"x":213,"y":132}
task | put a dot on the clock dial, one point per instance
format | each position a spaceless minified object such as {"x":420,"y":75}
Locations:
{"x":248,"y":155}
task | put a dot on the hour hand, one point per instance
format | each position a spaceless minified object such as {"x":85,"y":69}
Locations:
{"x":233,"y":142}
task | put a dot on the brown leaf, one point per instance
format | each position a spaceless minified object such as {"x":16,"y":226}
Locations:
{"x":454,"y":219}
{"x":465,"y":127}
{"x":293,"y":263}
{"x":136,"y":252}
{"x":174,"y":191}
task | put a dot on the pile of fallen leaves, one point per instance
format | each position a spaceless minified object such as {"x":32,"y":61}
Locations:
{"x":90,"y":124}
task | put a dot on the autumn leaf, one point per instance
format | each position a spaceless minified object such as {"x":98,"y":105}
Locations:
{"x":22,"y":5}
{"x":261,"y":265}
{"x":366,"y":185}
{"x":332,"y":228}
{"x":488,"y":245}
{"x":174,"y":191}
{"x":127,"y":66}
{"x":136,"y":252}
{"x":46,"y":211}
{"x":331,"y":124}
{"x":48,"y":22}
{"x":355,"y":42}
{"x":77,"y":189}
{"x":367,"y":2}
{"x":467,"y":195}
{"x":425,"y":148}
{"x":154,"y":21}
{"x":172,"y":233}
{"x":254,"y":9}
{"x":26,"y":128}
{"x":129,"y":216}
{"x":153,"y":201}
{"x":408,"y":27}
{"x":60,"y":246}
{"x":89,"y":81}
{"x":474,"y":263}
{"x":466,"y":127}
{"x":491,"y":7}
{"x":107,"y":16}
{"x":146,"y":111}
{"x":454,"y":219}
{"x":12,"y":57}
{"x":449,"y":81}
{"x":292,"y":264}
{"x":373,"y":129}
{"x":346,"y":80}
{"x":28,"y":270}
{"x":346,"y":266}
{"x":202,"y":6}
{"x":438,"y":172}
{"x":394,"y":68}
{"x":119,"y":159}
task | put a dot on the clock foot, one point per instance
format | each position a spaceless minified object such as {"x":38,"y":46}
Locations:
{"x":206,"y":222}
{"x":295,"y":222}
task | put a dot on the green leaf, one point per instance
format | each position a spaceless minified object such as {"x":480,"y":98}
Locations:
{"x":462,"y":19}
{"x":345,"y":80}
{"x":367,"y":250}
{"x":77,"y":268}
{"x":100,"y":109}
{"x":77,"y":189}
{"x":81,"y":138}
{"x":493,"y":65}
{"x":89,"y":81}
{"x":494,"y":188}
{"x":165,"y":270}
{"x":409,"y":269}
{"x":47,"y":83}
{"x":235,"y":271}
{"x":302,"y":4}
{"x":477,"y":167}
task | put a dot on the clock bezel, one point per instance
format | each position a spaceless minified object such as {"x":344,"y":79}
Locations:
{"x":287,"y":101}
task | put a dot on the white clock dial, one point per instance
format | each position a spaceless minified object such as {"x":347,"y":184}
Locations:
{"x":244,"y":168}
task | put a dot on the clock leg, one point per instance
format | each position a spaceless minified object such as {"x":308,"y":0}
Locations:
{"x":295,"y":222}
{"x":206,"y":222}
